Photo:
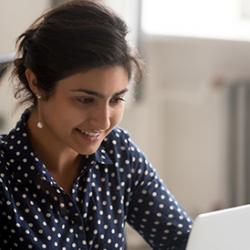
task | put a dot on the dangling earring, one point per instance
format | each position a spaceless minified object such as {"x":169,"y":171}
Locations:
{"x":39,"y":123}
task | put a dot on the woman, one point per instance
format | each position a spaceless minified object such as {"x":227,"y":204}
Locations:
{"x":69,"y":178}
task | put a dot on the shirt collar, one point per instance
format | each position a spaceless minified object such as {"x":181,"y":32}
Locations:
{"x":101,"y":156}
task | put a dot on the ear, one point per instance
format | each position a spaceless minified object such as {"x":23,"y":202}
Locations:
{"x":32,"y":81}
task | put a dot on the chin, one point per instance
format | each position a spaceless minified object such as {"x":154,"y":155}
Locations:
{"x":87,"y":147}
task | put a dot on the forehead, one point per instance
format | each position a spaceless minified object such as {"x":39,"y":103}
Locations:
{"x":100,"y":79}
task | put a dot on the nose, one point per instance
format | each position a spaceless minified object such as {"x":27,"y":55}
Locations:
{"x":101,"y":117}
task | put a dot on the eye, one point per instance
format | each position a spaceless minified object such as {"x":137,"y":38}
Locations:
{"x":85,"y":100}
{"x":117,"y":99}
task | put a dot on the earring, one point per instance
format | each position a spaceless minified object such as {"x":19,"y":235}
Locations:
{"x":39,"y":123}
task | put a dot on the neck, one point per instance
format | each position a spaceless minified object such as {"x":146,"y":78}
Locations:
{"x":56,"y":156}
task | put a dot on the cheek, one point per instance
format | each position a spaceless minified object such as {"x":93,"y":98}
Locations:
{"x":62,"y":116}
{"x":117,"y":115}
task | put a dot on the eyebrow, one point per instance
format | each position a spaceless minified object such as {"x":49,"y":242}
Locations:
{"x":97,"y":94}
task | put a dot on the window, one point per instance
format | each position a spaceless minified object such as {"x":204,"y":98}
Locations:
{"x":222,"y":19}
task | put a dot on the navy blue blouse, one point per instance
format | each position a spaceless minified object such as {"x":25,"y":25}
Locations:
{"x":115,"y":185}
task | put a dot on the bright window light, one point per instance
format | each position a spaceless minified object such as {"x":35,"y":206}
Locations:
{"x":221,"y":19}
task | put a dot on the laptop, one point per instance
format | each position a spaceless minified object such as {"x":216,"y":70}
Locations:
{"x":227,"y":229}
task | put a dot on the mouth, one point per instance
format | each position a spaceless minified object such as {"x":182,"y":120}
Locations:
{"x":89,"y":135}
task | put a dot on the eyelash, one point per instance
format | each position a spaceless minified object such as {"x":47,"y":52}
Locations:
{"x":90,"y":100}
{"x":85,"y":100}
{"x":118,"y":99}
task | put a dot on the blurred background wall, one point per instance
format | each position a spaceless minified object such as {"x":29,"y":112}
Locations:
{"x":191,"y":113}
{"x":15,"y":17}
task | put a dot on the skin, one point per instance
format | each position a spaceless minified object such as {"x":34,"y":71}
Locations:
{"x":91,"y":101}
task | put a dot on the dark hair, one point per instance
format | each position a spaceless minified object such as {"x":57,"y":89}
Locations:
{"x":75,"y":36}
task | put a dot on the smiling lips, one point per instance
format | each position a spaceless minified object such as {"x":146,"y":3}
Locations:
{"x":91,"y":136}
{"x":90,"y":133}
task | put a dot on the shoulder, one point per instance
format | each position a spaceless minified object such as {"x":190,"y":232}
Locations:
{"x":118,"y":135}
{"x":118,"y":140}
{"x":120,"y":147}
{"x":3,"y":154}
{"x":2,"y":136}
{"x":2,"y":158}
{"x":116,"y":144}
{"x":2,"y":147}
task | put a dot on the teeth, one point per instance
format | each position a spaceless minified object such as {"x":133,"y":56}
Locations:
{"x":89,"y":133}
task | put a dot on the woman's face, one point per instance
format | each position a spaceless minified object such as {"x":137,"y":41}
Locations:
{"x":85,"y":107}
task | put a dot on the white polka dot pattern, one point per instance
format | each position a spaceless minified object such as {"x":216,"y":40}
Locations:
{"x":116,"y":185}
